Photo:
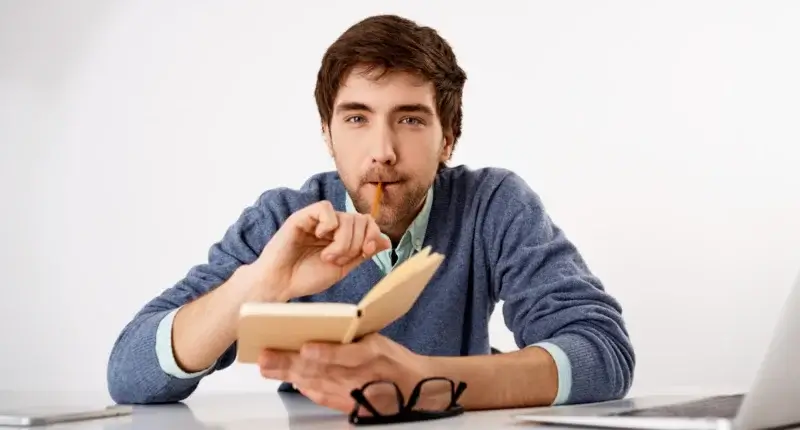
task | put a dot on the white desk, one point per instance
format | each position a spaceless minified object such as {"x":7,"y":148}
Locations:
{"x":262,"y":411}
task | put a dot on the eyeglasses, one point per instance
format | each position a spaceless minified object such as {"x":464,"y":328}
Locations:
{"x":431,"y":398}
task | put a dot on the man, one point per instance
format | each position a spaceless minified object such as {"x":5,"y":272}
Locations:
{"x":389,"y":98}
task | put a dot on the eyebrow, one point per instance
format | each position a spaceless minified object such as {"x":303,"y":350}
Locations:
{"x":356,"y":106}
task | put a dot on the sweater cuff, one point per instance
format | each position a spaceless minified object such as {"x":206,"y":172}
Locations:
{"x":564,"y":368}
{"x":164,"y":351}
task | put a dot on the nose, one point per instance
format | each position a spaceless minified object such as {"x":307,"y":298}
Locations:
{"x":382,"y":147}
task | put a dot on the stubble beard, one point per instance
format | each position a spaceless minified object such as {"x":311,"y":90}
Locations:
{"x":399,"y":205}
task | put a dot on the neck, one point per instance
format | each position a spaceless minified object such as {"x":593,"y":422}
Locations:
{"x":398,"y":229}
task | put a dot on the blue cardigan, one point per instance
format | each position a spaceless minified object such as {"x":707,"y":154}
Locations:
{"x":500,"y":247}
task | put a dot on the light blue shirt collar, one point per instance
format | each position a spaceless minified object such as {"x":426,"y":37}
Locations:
{"x":412,"y":240}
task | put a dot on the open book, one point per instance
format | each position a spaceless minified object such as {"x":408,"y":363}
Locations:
{"x":287,"y":326}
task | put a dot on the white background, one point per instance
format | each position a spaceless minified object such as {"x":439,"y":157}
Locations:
{"x":664,"y":138}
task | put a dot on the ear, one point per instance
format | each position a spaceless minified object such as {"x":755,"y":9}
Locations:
{"x":326,"y":135}
{"x":447,"y":147}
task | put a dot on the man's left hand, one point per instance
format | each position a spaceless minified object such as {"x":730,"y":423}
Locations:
{"x":326,"y":373}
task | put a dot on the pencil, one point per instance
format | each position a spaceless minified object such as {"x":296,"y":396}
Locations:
{"x":376,"y":203}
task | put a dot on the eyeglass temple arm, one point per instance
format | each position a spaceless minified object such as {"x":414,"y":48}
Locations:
{"x":362,"y":400}
{"x":459,"y":390}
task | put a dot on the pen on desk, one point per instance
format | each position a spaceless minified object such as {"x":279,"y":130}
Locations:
{"x":376,"y":202}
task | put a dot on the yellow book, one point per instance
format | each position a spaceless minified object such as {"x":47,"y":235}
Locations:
{"x":287,"y":326}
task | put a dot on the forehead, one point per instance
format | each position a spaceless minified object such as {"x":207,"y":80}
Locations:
{"x":382,"y":90}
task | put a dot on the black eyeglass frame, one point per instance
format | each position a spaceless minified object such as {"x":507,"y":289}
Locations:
{"x":406,"y":413}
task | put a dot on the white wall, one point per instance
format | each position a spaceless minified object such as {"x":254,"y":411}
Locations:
{"x":665,"y":135}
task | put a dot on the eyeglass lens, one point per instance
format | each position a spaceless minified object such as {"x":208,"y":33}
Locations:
{"x":384,"y":397}
{"x":435,"y":395}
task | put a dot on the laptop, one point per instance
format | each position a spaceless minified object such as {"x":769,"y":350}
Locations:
{"x":54,"y":414}
{"x":771,"y":402}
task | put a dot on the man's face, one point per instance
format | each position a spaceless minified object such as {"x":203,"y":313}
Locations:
{"x":387,"y":131}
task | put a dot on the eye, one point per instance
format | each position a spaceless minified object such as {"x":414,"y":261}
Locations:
{"x":412,"y":121}
{"x":355,"y":119}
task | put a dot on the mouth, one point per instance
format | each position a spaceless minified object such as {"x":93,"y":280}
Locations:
{"x":384,"y":184}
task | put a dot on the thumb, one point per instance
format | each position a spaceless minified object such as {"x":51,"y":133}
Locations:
{"x":368,"y":251}
{"x":382,"y":244}
{"x":375,"y":246}
{"x":375,"y":241}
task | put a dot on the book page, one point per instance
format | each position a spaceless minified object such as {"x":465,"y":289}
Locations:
{"x":298,"y":309}
{"x":288,"y":332}
{"x":399,"y":273}
{"x":401,"y":290}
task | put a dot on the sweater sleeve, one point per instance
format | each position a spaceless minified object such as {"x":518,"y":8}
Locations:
{"x":141,"y":368}
{"x":550,"y":297}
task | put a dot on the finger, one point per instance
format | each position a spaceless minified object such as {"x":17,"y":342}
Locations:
{"x":360,"y":223}
{"x":337,"y":251}
{"x":291,"y":367}
{"x":334,"y":401}
{"x":304,"y":369}
{"x":349,"y":355}
{"x":277,"y":364}
{"x":336,"y":382}
{"x":328,"y":221}
{"x":374,"y":240}
{"x":318,"y":219}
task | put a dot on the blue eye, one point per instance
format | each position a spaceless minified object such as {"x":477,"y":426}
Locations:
{"x":356,"y":119}
{"x":412,"y":121}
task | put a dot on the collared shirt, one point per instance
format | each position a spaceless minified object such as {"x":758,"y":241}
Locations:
{"x":411,"y":241}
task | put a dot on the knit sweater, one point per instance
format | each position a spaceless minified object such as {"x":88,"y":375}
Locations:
{"x":501,"y":247}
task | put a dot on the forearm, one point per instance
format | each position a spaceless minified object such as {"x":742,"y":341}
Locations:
{"x":524,"y":378}
{"x":206,"y":328}
{"x":550,"y":295}
{"x":134,"y":374}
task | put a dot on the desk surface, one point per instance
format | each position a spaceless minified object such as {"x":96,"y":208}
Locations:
{"x":241,"y":411}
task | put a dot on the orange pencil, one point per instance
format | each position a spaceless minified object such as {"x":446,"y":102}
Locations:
{"x":376,"y":203}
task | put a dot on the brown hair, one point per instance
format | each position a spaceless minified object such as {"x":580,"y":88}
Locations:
{"x":392,"y":43}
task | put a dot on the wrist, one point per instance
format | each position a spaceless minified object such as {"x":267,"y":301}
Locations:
{"x":431,"y":367}
{"x":418,"y":367}
{"x":253,"y":285}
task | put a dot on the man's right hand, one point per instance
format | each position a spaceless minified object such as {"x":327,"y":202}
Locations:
{"x":314,"y":248}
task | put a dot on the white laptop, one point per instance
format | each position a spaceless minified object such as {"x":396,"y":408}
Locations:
{"x":772,"y":401}
{"x":52,"y":414}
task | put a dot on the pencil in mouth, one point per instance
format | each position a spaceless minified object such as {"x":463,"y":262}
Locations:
{"x":376,"y":202}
